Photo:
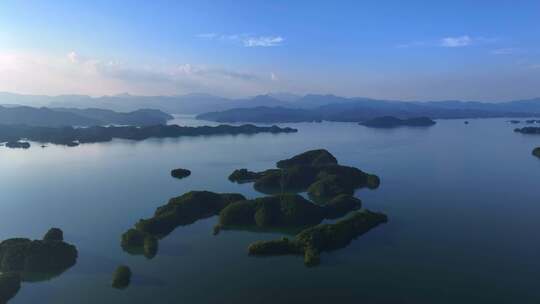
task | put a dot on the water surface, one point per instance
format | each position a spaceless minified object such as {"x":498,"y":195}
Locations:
{"x":462,"y":200}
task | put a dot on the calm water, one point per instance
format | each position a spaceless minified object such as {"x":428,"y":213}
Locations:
{"x":463,"y":203}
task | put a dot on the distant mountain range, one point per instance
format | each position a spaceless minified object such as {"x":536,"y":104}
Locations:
{"x":59,"y":117}
{"x":314,"y":108}
{"x":283,"y":107}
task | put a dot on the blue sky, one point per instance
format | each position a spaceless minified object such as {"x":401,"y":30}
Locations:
{"x":413,"y":50}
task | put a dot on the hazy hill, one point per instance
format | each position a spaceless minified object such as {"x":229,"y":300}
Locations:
{"x":315,"y":106}
{"x":45,"y":117}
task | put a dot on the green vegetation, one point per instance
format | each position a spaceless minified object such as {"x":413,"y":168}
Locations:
{"x":121,"y":277}
{"x":536,"y":152}
{"x":181,"y":210}
{"x":328,"y":187}
{"x":244,"y":176}
{"x":37,"y":256}
{"x":341,"y":205}
{"x":312,"y":241}
{"x":319,"y":157}
{"x":54,"y":234}
{"x":186,"y":209}
{"x":10,"y":283}
{"x":150,"y":247}
{"x":180,"y":173}
{"x":72,"y":136}
{"x":286,"y":210}
{"x":138,"y":242}
{"x":316,"y":171}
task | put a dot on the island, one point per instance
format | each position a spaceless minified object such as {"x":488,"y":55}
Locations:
{"x":17,"y":145}
{"x":316,"y":171}
{"x":121,"y":277}
{"x":528,"y":130}
{"x":536,"y":152}
{"x":49,"y":255}
{"x":182,"y":210}
{"x":312,"y":241}
{"x":180,"y":173}
{"x":22,"y":259}
{"x":71,"y":136}
{"x":394,"y":122}
{"x":283,"y":211}
{"x":61,"y":117}
{"x":10,"y":283}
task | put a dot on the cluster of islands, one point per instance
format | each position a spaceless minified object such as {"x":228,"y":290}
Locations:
{"x":329,"y":186}
{"x":330,"y":189}
{"x":13,"y":135}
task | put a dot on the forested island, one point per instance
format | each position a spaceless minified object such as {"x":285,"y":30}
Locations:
{"x":61,"y":117}
{"x":312,"y":241}
{"x":315,"y":171}
{"x":330,"y":186}
{"x":182,"y":210}
{"x":180,"y":173}
{"x":528,"y":130}
{"x":536,"y":152}
{"x":22,"y":259}
{"x":71,"y":136}
{"x":393,"y":122}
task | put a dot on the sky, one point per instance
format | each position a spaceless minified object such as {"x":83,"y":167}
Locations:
{"x":406,"y":50}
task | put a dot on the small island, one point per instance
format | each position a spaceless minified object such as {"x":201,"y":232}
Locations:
{"x":312,"y":241}
{"x":121,"y":277}
{"x":536,"y":152}
{"x":23,"y":259}
{"x":315,"y":171}
{"x":394,"y":122}
{"x":17,"y":145}
{"x":180,"y":173}
{"x":528,"y":130}
{"x":49,"y":255}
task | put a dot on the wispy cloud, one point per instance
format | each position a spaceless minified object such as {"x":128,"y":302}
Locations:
{"x":453,"y":42}
{"x":449,"y":42}
{"x":246,"y":40}
{"x":505,"y":51}
{"x":73,"y":56}
{"x":74,"y":73}
{"x":263,"y":41}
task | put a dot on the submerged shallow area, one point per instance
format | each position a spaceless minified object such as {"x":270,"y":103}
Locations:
{"x":453,"y":236}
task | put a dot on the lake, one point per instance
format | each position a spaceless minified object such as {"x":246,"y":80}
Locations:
{"x":463,"y":203}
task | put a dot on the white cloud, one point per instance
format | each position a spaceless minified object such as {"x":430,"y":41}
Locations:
{"x":452,"y":42}
{"x":263,"y":41}
{"x":246,"y":40}
{"x":75,"y":74}
{"x":273,"y":77}
{"x":73,"y":57}
{"x":449,"y":42}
